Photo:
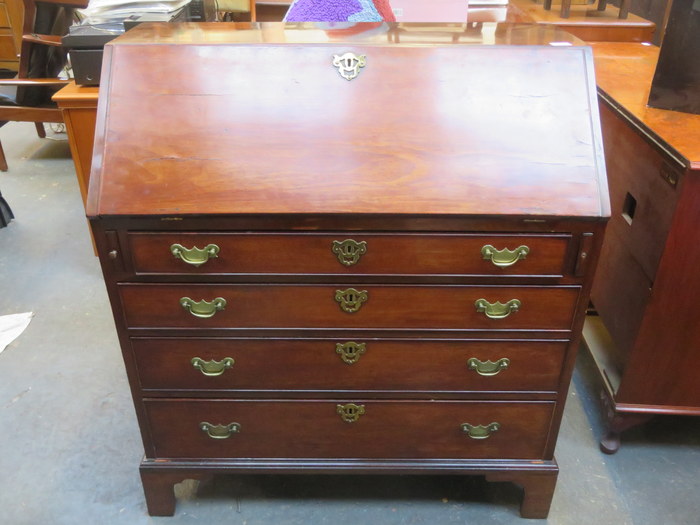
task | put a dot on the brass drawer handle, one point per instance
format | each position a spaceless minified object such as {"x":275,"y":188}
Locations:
{"x":195,"y":256}
{"x":350,"y":412}
{"x":488,"y":368}
{"x":212,"y":368}
{"x":351,"y":300}
{"x":349,"y":251}
{"x":505,"y":257}
{"x":350,"y":352}
{"x":480,"y":431}
{"x":203,"y":309}
{"x":219,"y":431}
{"x":497,"y":310}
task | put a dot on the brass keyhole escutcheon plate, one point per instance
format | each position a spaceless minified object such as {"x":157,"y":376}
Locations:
{"x":349,"y":64}
{"x":351,"y":300}
{"x":350,"y":412}
{"x":349,"y":251}
{"x":350,"y":352}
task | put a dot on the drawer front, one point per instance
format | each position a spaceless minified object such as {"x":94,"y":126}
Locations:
{"x":357,"y":364}
{"x":349,"y":253}
{"x":385,"y":429}
{"x":376,"y":306}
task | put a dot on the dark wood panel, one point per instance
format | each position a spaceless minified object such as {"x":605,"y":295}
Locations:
{"x":303,"y":429}
{"x":664,"y":368}
{"x":296,"y":364}
{"x":620,"y":294}
{"x":642,"y":199}
{"x":386,"y":307}
{"x":310,"y":253}
{"x":205,"y":148}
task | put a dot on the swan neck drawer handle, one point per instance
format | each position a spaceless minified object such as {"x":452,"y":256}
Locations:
{"x":219,"y":431}
{"x":212,"y":368}
{"x":195,"y":256}
{"x":505,"y":257}
{"x":203,"y":309}
{"x":480,"y":431}
{"x":488,"y":368}
{"x":497,"y":310}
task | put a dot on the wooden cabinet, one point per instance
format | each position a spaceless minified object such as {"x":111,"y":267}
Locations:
{"x":646,"y":337}
{"x":311,"y":274}
{"x":11,"y":13}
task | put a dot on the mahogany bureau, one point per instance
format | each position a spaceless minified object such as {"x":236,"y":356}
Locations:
{"x":333,"y":253}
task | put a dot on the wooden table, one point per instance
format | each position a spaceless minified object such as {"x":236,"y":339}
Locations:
{"x":79,"y":106}
{"x":646,"y":338}
{"x":589,"y":24}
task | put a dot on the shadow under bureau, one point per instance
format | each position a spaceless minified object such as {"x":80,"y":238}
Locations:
{"x":351,"y":256}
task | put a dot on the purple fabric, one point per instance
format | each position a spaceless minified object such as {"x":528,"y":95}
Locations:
{"x":323,"y":10}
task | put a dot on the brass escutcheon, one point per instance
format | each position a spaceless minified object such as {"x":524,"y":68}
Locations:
{"x":349,"y":64}
{"x":349,"y":251}
{"x":195,"y":256}
{"x":497,"y":310}
{"x":480,"y":431}
{"x":350,"y":412}
{"x":488,"y":368}
{"x":350,"y":352}
{"x":351,"y":300}
{"x":212,"y":368}
{"x":505,"y":257}
{"x":219,"y":431}
{"x":203,"y":309}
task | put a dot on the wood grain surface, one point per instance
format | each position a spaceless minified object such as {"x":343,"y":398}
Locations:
{"x":273,"y":128}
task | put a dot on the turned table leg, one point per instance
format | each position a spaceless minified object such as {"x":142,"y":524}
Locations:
{"x":538,"y":490}
{"x":617,"y":422}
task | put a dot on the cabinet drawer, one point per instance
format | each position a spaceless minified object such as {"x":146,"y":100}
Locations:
{"x":321,"y":306}
{"x":358,"y":364}
{"x":361,"y":253}
{"x":386,"y":429}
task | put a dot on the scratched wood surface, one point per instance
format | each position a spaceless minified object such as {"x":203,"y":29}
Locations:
{"x":271,"y":127}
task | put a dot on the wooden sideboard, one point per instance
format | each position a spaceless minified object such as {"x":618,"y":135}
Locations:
{"x":646,"y":338}
{"x":322,"y":267}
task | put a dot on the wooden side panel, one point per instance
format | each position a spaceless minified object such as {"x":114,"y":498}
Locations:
{"x":641,"y":198}
{"x":664,"y":368}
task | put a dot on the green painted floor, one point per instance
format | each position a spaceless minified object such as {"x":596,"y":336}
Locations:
{"x":70,"y":447}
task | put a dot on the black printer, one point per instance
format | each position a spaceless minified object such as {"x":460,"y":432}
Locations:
{"x":85,"y":42}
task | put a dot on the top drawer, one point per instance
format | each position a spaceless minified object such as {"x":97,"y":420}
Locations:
{"x":348,"y":253}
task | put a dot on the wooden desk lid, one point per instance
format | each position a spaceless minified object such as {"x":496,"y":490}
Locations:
{"x":261,"y":122}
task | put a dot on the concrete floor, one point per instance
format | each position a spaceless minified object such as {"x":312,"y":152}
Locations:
{"x":70,"y":447}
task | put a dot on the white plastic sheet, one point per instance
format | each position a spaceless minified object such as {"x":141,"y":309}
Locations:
{"x":12,"y":326}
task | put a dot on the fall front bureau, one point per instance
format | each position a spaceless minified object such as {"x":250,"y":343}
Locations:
{"x":342,"y":256}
